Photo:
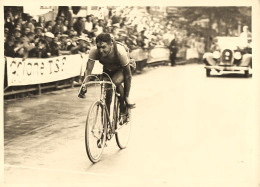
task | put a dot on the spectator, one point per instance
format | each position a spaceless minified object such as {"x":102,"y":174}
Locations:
{"x":116,"y":18}
{"x":9,"y":24}
{"x":66,"y":27}
{"x":89,"y":26}
{"x":41,"y":22}
{"x":26,"y":31}
{"x":38,"y":33}
{"x":28,"y":41}
{"x":17,"y":33}
{"x":173,"y":51}
{"x":73,"y":40}
{"x":19,"y":23}
{"x":9,"y":46}
{"x":52,"y":47}
{"x":63,"y":41}
{"x":214,"y":45}
{"x":245,"y":36}
{"x":41,"y":50}
{"x":20,"y":50}
{"x":99,"y":27}
{"x":6,"y":34}
{"x":192,"y":52}
{"x":79,"y":26}
{"x":201,"y":48}
{"x":83,"y":46}
{"x":58,"y":27}
{"x":64,"y":12}
{"x":48,"y":26}
{"x":29,"y":24}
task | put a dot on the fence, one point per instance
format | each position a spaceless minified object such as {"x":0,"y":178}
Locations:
{"x":38,"y":75}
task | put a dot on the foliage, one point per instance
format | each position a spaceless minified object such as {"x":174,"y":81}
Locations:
{"x":225,"y":18}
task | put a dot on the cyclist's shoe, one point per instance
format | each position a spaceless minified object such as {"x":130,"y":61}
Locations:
{"x":81,"y":95}
{"x":99,"y":143}
{"x":123,"y":118}
{"x":130,"y":106}
{"x":82,"y":92}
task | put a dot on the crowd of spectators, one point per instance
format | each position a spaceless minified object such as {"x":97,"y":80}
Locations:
{"x":26,"y":37}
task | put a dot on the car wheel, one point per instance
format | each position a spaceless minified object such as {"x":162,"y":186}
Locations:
{"x":246,"y":73}
{"x":208,"y":72}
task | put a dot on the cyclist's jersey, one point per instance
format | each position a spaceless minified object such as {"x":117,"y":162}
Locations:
{"x":111,"y":62}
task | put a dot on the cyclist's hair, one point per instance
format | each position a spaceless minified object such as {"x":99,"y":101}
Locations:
{"x":104,"y":37}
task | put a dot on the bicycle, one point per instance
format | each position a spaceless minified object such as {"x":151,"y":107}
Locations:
{"x":102,"y":125}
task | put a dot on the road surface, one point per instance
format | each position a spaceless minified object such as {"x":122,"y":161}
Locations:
{"x":188,"y":131}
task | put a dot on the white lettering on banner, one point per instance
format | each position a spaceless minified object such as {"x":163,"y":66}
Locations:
{"x":37,"y":71}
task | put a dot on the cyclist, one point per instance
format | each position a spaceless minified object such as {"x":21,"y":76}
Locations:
{"x":116,"y":64}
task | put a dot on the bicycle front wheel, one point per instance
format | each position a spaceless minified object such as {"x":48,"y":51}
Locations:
{"x":123,"y":130}
{"x":95,"y":131}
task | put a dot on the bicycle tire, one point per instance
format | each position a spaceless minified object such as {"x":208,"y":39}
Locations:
{"x":123,"y":131}
{"x":97,"y":113}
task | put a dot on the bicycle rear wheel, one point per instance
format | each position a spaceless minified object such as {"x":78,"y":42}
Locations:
{"x":123,"y":130}
{"x":95,"y":131}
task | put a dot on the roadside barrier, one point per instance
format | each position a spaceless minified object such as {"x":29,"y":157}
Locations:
{"x":38,"y":75}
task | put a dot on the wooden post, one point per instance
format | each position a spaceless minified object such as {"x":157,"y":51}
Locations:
{"x":39,"y":89}
{"x":72,"y":82}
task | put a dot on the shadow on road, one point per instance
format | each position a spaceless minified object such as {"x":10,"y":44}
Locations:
{"x":231,"y":75}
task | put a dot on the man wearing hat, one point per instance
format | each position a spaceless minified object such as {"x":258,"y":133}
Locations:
{"x":64,"y":42}
{"x":58,"y":27}
{"x":88,"y":29}
{"x":6,"y":34}
{"x":9,"y":46}
{"x":29,"y":23}
{"x":28,"y":41}
{"x":17,"y":33}
{"x":53,"y":47}
{"x":82,"y":47}
{"x":116,"y":64}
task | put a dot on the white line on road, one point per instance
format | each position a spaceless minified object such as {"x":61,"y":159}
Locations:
{"x":59,"y":170}
{"x":139,"y":178}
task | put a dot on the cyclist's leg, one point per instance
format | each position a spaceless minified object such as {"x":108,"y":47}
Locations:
{"x":108,"y":89}
{"x":108,"y":97}
{"x":118,"y":79}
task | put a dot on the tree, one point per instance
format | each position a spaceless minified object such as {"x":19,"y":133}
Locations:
{"x":226,"y":19}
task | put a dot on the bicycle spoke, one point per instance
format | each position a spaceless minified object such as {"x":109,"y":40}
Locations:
{"x":95,"y":132}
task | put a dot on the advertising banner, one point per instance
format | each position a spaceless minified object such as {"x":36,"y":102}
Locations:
{"x":97,"y":69}
{"x":139,"y":54}
{"x":39,"y":70}
{"x":158,"y":54}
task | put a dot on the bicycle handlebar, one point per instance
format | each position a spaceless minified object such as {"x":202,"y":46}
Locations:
{"x":101,"y":82}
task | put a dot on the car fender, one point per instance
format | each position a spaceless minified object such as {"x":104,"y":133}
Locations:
{"x":209,"y":59}
{"x":246,"y":60}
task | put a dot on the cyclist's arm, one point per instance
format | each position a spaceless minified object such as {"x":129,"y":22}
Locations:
{"x":91,"y":62}
{"x":127,"y":79}
{"x":90,"y":66}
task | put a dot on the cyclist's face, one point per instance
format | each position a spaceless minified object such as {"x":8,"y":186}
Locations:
{"x":104,"y":48}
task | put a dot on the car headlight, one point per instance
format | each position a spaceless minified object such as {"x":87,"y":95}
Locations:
{"x":216,"y":54}
{"x":237,"y":55}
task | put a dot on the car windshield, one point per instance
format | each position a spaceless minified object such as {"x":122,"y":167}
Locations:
{"x":228,"y":42}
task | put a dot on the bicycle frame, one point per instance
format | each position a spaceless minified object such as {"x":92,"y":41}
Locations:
{"x":110,"y":122}
{"x":112,"y":117}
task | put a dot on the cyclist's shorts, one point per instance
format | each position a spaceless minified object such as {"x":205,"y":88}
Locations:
{"x":111,"y":73}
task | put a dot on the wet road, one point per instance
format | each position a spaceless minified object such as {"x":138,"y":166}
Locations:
{"x":188,"y":130}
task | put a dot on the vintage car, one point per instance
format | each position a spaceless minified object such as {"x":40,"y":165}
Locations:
{"x":228,"y":55}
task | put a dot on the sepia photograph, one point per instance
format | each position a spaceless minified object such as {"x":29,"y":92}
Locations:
{"x":156,"y":94}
